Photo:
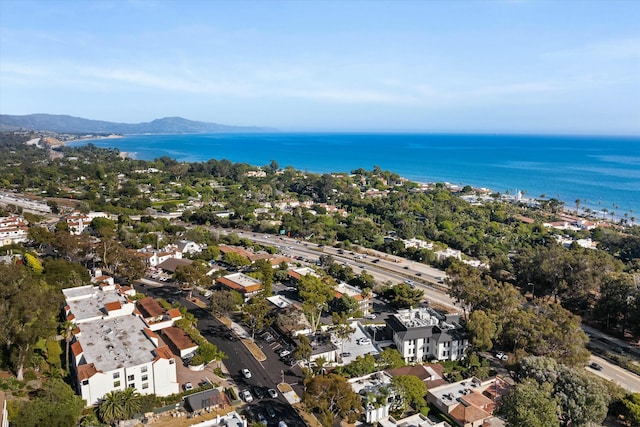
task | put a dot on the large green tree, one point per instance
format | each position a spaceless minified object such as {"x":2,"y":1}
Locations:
{"x":54,"y":405}
{"x":333,"y":399}
{"x":28,"y":307}
{"x":530,"y":404}
{"x":412,"y":390}
{"x":315,"y":295}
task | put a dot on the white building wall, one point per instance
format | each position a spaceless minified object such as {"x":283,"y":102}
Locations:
{"x":94,"y":388}
{"x":165,"y":379}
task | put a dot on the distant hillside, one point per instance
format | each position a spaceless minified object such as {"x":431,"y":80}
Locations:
{"x":69,"y":124}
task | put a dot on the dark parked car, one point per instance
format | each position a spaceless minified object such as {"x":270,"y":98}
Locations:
{"x":259,"y":392}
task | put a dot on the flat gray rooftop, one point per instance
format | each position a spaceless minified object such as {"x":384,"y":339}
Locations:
{"x":116,"y":343}
{"x":88,"y":302}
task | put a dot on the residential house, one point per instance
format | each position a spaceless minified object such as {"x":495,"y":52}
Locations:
{"x":189,"y":247}
{"x":379,"y":398}
{"x":422,"y":334}
{"x":296,"y":273}
{"x":364,"y":303}
{"x":240,"y":282}
{"x":431,"y":374}
{"x":470,"y":402}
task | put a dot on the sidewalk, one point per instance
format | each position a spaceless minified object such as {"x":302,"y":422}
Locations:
{"x":245,"y":337}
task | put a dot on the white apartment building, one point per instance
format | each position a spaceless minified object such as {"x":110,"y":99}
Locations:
{"x":13,"y":229}
{"x":422,"y":334}
{"x":113,"y":348}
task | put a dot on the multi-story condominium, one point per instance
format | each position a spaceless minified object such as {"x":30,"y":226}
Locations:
{"x":423,"y":334}
{"x":113,"y":347}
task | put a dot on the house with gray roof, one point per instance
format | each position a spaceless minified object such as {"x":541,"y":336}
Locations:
{"x":422,"y":334}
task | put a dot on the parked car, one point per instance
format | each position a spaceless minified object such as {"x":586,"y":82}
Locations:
{"x":262,"y":419}
{"x":246,"y":396}
{"x":246,"y":373}
{"x":502,"y":356}
{"x":285,"y":353}
{"x":259,"y":392}
{"x":187,"y":386}
{"x":273,"y":393}
{"x":345,"y":354}
{"x":371,"y":316}
{"x":270,"y":411}
{"x":364,"y":341}
{"x":282,"y":424}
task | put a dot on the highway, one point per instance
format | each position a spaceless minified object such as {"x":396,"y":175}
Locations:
{"x":615,"y":373}
{"x":381,"y":266}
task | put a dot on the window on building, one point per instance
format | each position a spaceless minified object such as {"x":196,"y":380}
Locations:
{"x":145,"y":377}
{"x":130,"y":378}
{"x":172,"y":361}
{"x":85,"y":382}
{"x":116,"y":375}
{"x":145,"y":385}
{"x":143,"y":369}
{"x":116,"y":384}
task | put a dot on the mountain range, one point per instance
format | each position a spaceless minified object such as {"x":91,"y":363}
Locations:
{"x":78,"y":125}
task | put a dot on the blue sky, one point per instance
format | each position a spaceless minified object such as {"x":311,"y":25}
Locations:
{"x":504,"y":66}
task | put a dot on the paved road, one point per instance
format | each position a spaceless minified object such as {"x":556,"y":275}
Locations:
{"x":615,"y":373}
{"x":264,"y":374}
{"x":381,"y":266}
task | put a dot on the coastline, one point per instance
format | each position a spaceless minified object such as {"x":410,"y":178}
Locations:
{"x":603,"y":177}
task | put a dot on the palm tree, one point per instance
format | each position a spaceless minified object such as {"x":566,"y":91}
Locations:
{"x":578,"y":201}
{"x":120,"y":405}
{"x":67,"y":331}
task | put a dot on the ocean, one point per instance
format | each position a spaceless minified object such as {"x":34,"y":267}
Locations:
{"x":602,"y":171}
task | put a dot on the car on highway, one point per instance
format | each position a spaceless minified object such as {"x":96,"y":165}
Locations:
{"x":596,"y":366}
{"x":246,"y":396}
{"x":273,"y":393}
{"x":246,"y":373}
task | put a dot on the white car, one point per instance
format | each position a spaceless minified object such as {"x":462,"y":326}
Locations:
{"x":284,"y":353}
{"x":502,"y":356}
{"x":272,"y":393}
{"x":371,"y":316}
{"x":246,"y":373}
{"x":246,"y":396}
{"x":187,"y":386}
{"x":364,"y":341}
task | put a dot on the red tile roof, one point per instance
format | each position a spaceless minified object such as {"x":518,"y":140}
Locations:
{"x":164,"y":353}
{"x":113,"y":306}
{"x":149,"y":307}
{"x":87,"y":371}
{"x":178,"y":337}
{"x":76,"y":348}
